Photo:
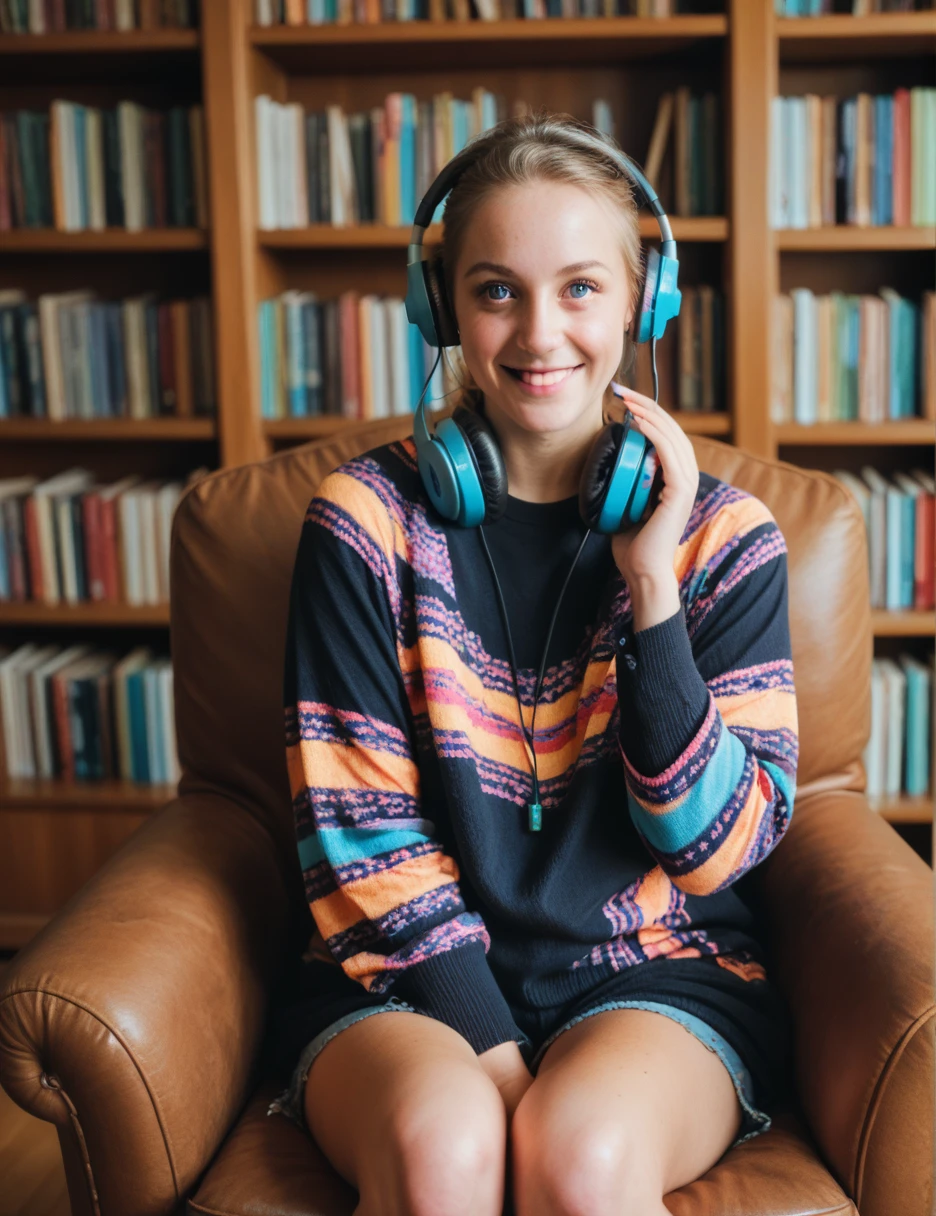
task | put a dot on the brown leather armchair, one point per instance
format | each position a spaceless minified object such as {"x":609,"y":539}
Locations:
{"x":136,"y":1020}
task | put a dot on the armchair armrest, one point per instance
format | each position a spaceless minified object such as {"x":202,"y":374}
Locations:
{"x":132,"y":1020}
{"x":849,"y":909}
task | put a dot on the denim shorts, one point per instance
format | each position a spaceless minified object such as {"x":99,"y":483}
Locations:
{"x":754,"y":1121}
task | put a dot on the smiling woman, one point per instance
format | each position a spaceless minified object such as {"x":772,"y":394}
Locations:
{"x":525,"y":842}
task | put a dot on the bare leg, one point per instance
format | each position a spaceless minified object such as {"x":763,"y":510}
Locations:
{"x":626,"y":1106}
{"x":403,"y":1111}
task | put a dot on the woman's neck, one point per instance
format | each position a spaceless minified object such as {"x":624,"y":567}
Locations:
{"x":543,"y":467}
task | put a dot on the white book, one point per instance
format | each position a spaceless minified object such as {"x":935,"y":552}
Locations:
{"x":800,"y":157}
{"x":873,"y":753}
{"x":167,"y":499}
{"x":283,"y":154}
{"x":167,"y":700}
{"x":297,"y":166}
{"x":129,"y":529}
{"x":130,"y":127}
{"x":776,"y":176}
{"x":124,"y":14}
{"x":878,"y":515}
{"x":133,"y":314}
{"x":399,"y":356}
{"x":894,"y":750}
{"x":14,"y":737}
{"x":266,"y":195}
{"x":263,"y":12}
{"x":94,"y":157}
{"x":66,"y":548}
{"x":37,"y":23}
{"x":52,"y":307}
{"x":805,"y":370}
{"x":343,"y":195}
{"x":68,"y":482}
{"x":146,"y":516}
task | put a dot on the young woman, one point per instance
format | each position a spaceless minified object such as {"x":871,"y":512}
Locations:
{"x":583,"y":1019}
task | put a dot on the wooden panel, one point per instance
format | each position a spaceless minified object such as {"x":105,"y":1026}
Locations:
{"x":47,"y":855}
{"x":232,"y":186}
{"x":751,"y":282}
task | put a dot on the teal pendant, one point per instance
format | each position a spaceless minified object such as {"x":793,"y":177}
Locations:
{"x":536,"y":816}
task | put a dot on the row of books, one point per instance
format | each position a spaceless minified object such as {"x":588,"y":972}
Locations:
{"x":59,"y":16}
{"x":867,"y":160}
{"x":845,"y":357}
{"x":70,"y":539}
{"x":76,"y":167}
{"x":82,"y":713}
{"x":357,"y":356}
{"x":900,"y":519}
{"x":857,"y":8}
{"x":369,"y":12}
{"x":70,"y":355}
{"x":325,"y":166}
{"x":898,"y":757}
{"x":691,"y":180}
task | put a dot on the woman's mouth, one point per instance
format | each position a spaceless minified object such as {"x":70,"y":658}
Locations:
{"x":542,"y":383}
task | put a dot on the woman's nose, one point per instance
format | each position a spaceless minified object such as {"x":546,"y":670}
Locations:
{"x":540,"y":325}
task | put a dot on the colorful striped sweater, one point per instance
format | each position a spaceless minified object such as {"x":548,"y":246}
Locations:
{"x":667,"y":757}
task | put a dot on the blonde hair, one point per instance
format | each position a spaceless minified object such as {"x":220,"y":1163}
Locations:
{"x":540,"y":147}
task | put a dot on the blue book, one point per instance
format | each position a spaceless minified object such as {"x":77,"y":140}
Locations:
{"x":5,"y":589}
{"x":117,"y":366}
{"x":408,"y":199}
{"x":266,"y":359}
{"x":881,"y":198}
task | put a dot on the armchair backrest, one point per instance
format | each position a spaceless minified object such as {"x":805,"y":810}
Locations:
{"x":234,"y":541}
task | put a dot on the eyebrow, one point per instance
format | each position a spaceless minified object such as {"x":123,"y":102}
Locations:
{"x":497,"y":268}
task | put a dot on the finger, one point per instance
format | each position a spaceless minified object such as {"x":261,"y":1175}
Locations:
{"x":675,"y":465}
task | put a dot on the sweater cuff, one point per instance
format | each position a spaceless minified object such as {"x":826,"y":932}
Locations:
{"x":458,"y":988}
{"x":662,"y":699}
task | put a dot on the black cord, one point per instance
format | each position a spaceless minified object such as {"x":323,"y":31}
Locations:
{"x":530,"y":736}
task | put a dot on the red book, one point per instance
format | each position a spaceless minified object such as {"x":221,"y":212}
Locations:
{"x":63,"y":733}
{"x":924,"y":570}
{"x":33,"y":555}
{"x":91,"y":521}
{"x":901,"y":157}
{"x":167,"y":371}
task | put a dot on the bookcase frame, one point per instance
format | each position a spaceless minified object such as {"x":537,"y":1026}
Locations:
{"x":39,"y":821}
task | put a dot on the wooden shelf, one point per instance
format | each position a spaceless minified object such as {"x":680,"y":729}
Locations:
{"x":466,"y":44}
{"x":32,"y":612}
{"x":831,"y":238}
{"x":904,"y":809}
{"x":108,"y":240}
{"x":913,"y":623}
{"x":843,"y":37}
{"x":386,"y":236}
{"x":918,"y":431}
{"x":93,"y":429}
{"x":111,"y":42}
{"x":24,"y":794}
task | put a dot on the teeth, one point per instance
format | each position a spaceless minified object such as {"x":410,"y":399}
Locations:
{"x":545,"y":377}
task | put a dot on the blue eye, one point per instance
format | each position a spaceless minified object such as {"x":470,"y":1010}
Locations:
{"x":494,"y":286}
{"x":580,"y":284}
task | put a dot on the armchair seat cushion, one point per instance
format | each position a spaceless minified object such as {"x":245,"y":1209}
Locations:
{"x":268,"y":1165}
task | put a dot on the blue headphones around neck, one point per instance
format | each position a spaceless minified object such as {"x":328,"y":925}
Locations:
{"x":460,"y":462}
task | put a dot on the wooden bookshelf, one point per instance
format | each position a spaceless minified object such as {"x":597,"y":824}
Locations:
{"x":852,"y":238}
{"x":746,"y":54}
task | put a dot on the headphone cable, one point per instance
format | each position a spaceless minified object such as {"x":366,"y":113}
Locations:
{"x":534,"y":808}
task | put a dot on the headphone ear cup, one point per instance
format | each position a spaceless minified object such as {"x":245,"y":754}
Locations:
{"x":490,"y":462}
{"x":596,"y":475}
{"x":445,"y":324}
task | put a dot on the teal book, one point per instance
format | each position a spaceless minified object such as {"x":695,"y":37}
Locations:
{"x":917,"y":752}
{"x":136,"y":708}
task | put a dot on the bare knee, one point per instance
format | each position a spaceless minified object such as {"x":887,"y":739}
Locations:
{"x":578,"y":1167}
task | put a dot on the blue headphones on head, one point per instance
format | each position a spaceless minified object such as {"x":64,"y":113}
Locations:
{"x":460,"y":463}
